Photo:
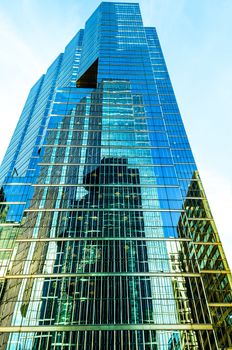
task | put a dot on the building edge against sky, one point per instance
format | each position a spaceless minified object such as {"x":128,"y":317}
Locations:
{"x":106,"y":233}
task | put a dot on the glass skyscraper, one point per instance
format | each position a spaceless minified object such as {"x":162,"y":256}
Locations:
{"x":106,"y":236}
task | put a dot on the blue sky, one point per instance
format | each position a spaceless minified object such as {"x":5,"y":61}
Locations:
{"x":196,"y":39}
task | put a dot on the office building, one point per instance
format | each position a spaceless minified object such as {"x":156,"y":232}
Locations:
{"x":107,"y":239}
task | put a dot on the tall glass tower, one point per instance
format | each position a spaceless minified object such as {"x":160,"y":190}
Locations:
{"x":106,"y":236}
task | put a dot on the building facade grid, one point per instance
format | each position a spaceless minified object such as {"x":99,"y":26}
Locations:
{"x":106,"y":235}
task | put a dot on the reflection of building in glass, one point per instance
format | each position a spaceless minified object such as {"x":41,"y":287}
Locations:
{"x":174,"y":342}
{"x":106,"y":238}
{"x":118,"y":247}
{"x":183,"y":306}
{"x":197,"y":223}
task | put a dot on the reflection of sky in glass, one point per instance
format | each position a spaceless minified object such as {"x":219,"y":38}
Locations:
{"x":111,"y":164}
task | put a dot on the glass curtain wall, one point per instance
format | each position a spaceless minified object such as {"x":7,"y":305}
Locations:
{"x":107,"y":239}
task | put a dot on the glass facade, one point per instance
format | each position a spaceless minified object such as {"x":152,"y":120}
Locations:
{"x":106,"y":236}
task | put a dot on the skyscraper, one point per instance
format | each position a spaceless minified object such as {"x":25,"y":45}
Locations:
{"x":107,"y":239}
